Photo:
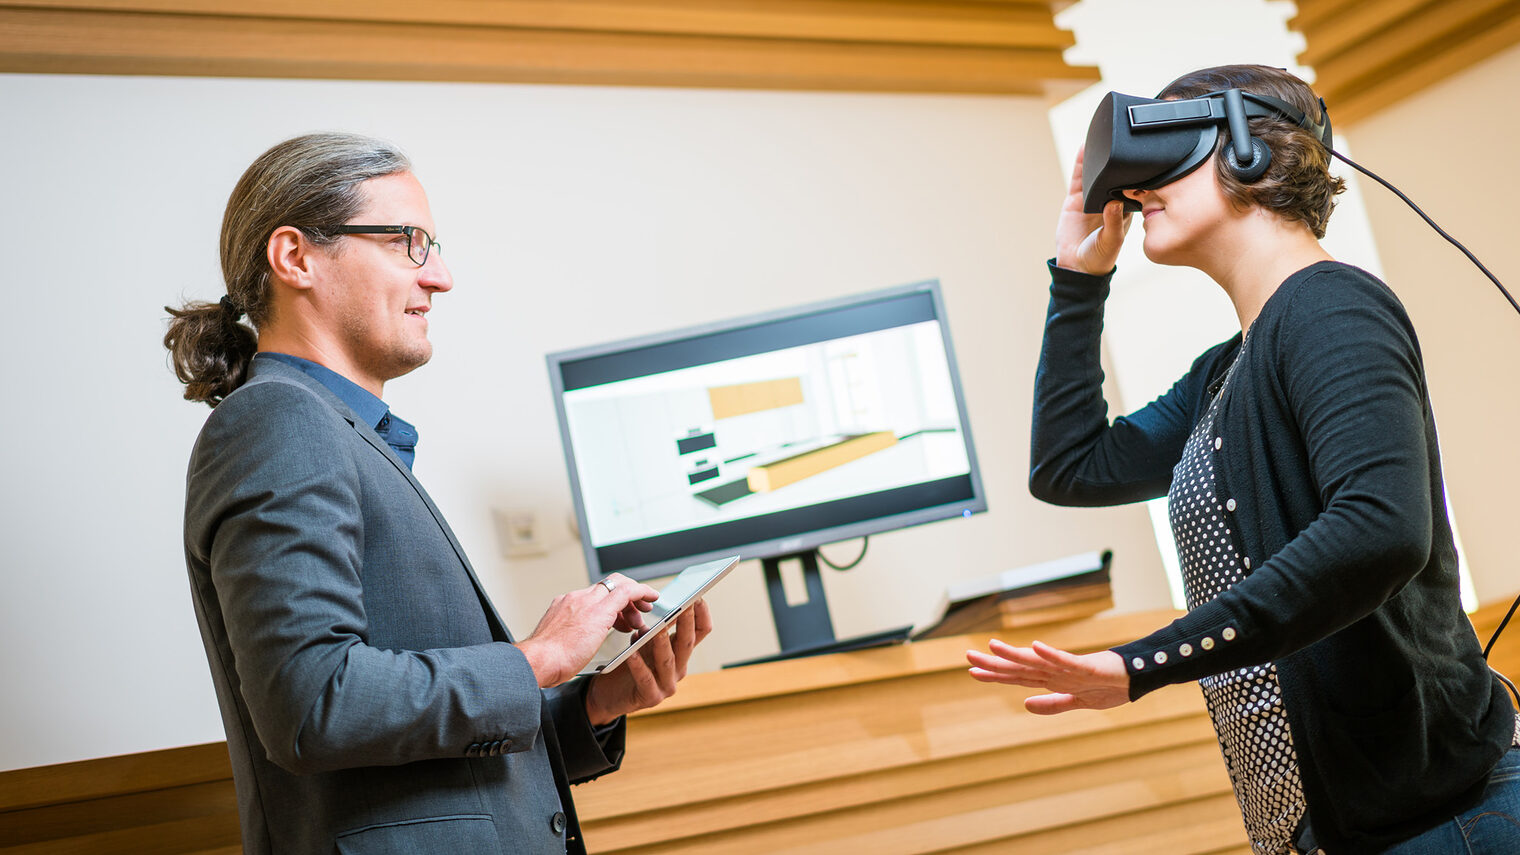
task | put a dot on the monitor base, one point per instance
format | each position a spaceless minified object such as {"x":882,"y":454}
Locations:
{"x":804,"y":628}
{"x":896,"y":635}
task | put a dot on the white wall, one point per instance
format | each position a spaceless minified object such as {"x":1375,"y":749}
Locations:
{"x":571,"y":216}
{"x":1448,"y":147}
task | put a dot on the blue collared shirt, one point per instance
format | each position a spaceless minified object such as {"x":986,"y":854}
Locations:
{"x":396,"y":431}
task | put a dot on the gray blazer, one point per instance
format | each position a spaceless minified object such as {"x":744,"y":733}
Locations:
{"x":372,"y":699}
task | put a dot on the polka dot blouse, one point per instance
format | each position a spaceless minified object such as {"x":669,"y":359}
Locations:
{"x":1246,"y":705}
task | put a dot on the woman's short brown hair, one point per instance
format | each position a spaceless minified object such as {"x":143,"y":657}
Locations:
{"x":1298,"y":185}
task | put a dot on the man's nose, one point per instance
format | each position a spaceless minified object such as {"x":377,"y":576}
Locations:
{"x":435,"y":275}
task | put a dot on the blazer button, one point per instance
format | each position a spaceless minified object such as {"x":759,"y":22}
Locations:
{"x":557,"y":822}
{"x":473,"y":750}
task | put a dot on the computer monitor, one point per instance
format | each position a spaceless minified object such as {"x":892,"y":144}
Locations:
{"x":767,"y":436}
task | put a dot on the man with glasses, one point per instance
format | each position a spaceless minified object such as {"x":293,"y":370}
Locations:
{"x":372,"y":697}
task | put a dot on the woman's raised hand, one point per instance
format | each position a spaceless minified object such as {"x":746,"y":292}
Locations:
{"x":1089,"y":243}
{"x":1094,"y":681}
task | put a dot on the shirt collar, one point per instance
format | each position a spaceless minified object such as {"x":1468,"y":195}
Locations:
{"x":359,"y":399}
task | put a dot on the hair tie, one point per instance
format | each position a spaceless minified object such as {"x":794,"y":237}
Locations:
{"x":231,"y":307}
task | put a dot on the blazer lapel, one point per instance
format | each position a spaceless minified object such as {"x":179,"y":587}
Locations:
{"x":498,"y":627}
{"x":275,"y":369}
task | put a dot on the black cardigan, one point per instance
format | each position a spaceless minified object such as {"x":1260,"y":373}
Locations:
{"x":1326,"y":461}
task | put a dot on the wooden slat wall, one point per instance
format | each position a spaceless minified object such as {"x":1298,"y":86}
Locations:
{"x":897,"y":751}
{"x":1368,"y":54}
{"x":180,"y":800}
{"x":881,"y":751}
{"x":1505,"y":656}
{"x":977,"y":46}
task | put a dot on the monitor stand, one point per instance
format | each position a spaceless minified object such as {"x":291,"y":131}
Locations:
{"x":805,"y":629}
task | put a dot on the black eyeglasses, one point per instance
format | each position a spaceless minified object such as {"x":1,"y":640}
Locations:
{"x":418,"y":242}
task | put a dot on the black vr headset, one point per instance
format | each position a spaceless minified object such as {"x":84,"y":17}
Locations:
{"x":1143,"y":143}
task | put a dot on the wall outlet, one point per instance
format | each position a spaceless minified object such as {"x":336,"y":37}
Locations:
{"x":520,"y":532}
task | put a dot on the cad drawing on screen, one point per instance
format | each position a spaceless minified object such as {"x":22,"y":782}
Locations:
{"x":768,"y":436}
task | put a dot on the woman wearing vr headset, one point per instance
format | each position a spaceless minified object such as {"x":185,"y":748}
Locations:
{"x":1353,"y":705}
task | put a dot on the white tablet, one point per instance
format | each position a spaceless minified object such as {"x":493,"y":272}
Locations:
{"x":682,"y":593}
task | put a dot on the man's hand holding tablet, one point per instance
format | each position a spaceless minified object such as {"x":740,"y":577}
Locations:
{"x":645,"y":672}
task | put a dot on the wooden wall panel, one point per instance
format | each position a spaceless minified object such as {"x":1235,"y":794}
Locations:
{"x":898,"y":751}
{"x":180,"y":800}
{"x":885,"y":751}
{"x":1004,"y":47}
{"x":1505,"y":655}
{"x":1368,"y":55}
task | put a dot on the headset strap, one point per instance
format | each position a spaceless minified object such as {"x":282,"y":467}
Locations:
{"x":1291,"y":113}
{"x":1209,"y":108}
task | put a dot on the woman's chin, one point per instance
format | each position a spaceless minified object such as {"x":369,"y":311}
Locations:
{"x":1159,"y":251}
{"x":1156,"y":254}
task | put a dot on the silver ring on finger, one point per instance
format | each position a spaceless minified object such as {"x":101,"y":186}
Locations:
{"x":607,"y":583}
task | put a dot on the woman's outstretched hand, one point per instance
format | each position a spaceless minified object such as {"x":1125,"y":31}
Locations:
{"x":1095,"y":681}
{"x":1089,"y":243}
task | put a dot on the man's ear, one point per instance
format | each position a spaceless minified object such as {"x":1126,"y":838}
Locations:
{"x":292,"y":257}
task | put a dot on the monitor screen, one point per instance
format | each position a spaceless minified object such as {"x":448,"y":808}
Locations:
{"x":767,"y":435}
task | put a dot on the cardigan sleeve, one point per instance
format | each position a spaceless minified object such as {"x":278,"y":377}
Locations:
{"x":1348,"y":370}
{"x":1077,"y":457}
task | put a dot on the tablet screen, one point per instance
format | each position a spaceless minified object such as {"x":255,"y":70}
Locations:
{"x":681,"y":594}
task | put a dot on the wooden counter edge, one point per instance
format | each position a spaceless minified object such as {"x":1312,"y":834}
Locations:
{"x":796,"y":676}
